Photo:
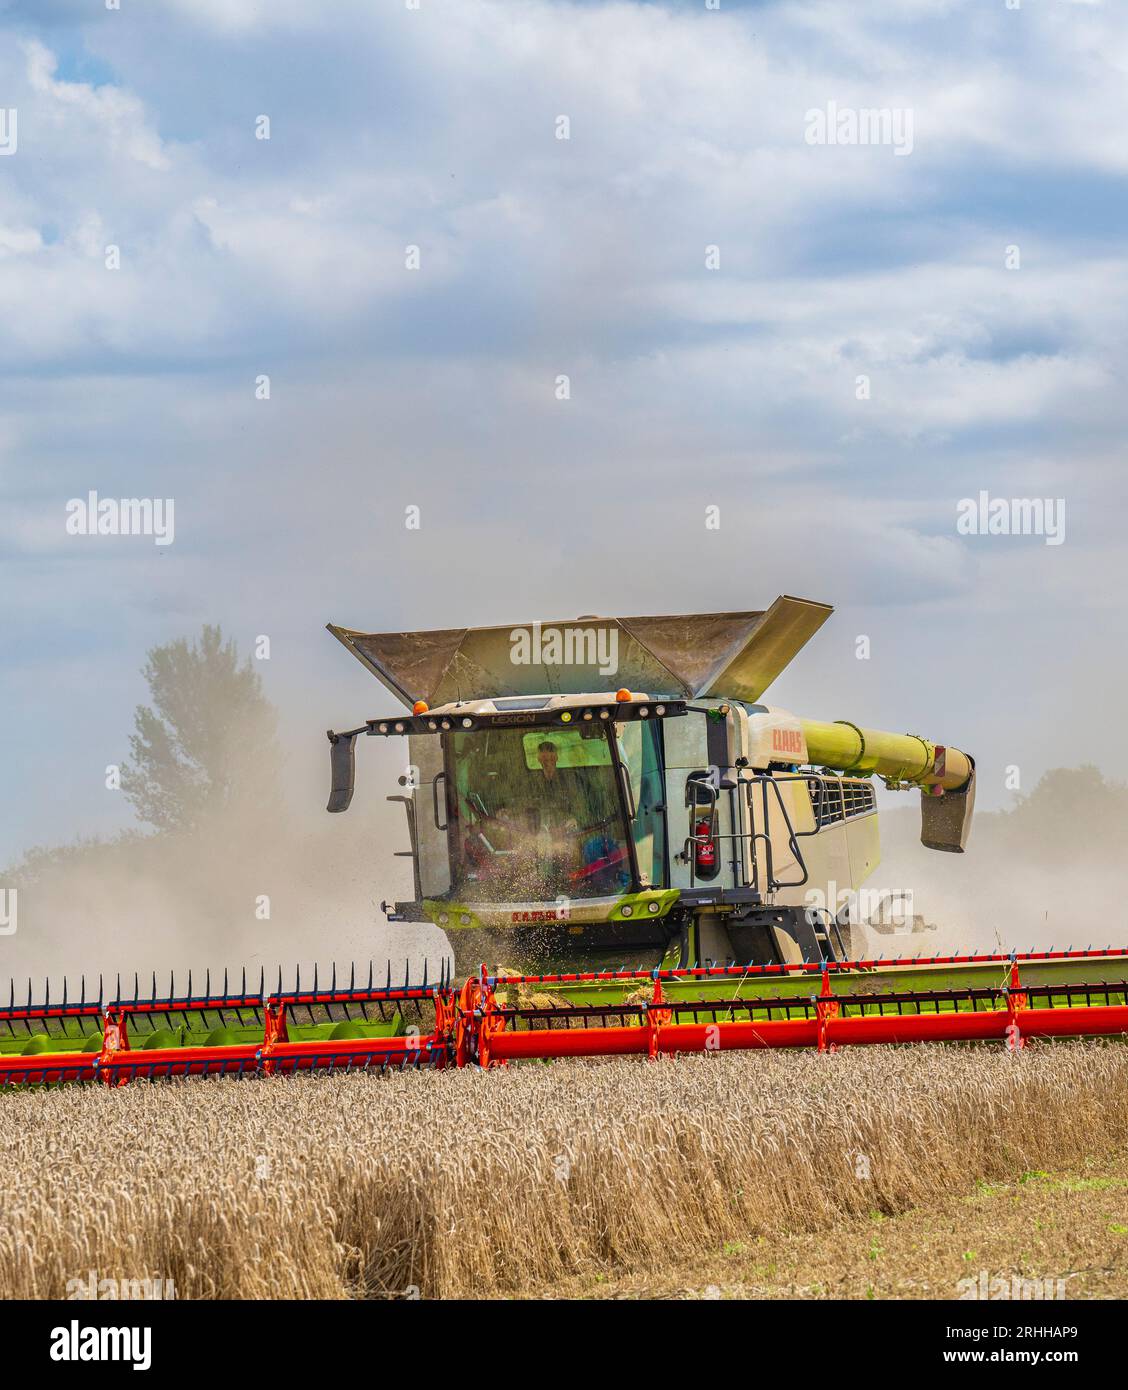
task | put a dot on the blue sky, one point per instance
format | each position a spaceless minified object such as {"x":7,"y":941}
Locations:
{"x":736,"y":386}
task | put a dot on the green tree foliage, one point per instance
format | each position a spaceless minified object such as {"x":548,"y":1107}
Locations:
{"x":208,"y":743}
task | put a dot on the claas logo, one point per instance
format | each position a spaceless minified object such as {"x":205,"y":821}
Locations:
{"x":787,"y":741}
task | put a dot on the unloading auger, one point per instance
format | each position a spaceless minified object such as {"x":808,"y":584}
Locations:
{"x":665,"y":863}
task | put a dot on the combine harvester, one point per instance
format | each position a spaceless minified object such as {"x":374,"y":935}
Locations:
{"x":661,"y":865}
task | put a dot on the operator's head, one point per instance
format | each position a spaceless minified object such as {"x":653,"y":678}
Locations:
{"x":547,"y":755}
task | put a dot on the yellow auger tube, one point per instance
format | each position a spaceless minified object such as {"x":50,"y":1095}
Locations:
{"x":896,"y":757}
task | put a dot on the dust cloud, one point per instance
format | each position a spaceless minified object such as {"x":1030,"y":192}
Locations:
{"x":1044,"y":873}
{"x":258,"y":885}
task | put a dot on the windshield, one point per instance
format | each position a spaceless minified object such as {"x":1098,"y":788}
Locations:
{"x":535,"y":815}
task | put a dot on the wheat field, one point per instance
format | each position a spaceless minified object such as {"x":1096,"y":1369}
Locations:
{"x":478,"y":1184}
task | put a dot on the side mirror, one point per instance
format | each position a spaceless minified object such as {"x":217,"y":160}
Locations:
{"x":342,"y":758}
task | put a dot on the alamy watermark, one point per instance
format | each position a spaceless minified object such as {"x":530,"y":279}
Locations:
{"x":8,"y":141}
{"x":8,"y":915}
{"x":92,"y":1286}
{"x":885,"y":909}
{"x":999,"y":1286}
{"x":849,"y":125}
{"x":78,"y":1343}
{"x":537,"y":645}
{"x":128,"y":516}
{"x":1012,"y":516}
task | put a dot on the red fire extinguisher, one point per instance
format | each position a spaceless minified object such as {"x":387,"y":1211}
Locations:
{"x":706,"y":848}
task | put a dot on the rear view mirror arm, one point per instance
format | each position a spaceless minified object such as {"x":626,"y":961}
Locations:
{"x":342,"y":757}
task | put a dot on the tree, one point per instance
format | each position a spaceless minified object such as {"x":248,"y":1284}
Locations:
{"x":1072,"y":811}
{"x":208,"y":744}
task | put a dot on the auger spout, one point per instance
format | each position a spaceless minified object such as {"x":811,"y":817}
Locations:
{"x":898,"y":758}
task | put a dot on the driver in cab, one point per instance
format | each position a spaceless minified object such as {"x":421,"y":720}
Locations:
{"x":555,"y":797}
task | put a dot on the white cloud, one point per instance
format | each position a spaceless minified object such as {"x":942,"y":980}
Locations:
{"x":95,"y":116}
{"x":436,"y":127}
{"x":17,"y":241}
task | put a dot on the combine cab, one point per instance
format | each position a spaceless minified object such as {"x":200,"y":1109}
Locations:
{"x":663,"y":863}
{"x":556,"y":823}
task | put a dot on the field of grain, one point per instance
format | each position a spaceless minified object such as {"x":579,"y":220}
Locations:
{"x":532,"y":1178}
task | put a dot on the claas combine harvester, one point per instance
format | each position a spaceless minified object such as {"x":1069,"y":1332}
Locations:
{"x":628,"y":853}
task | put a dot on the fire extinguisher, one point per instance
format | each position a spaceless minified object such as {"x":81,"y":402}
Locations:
{"x":705,"y":847}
